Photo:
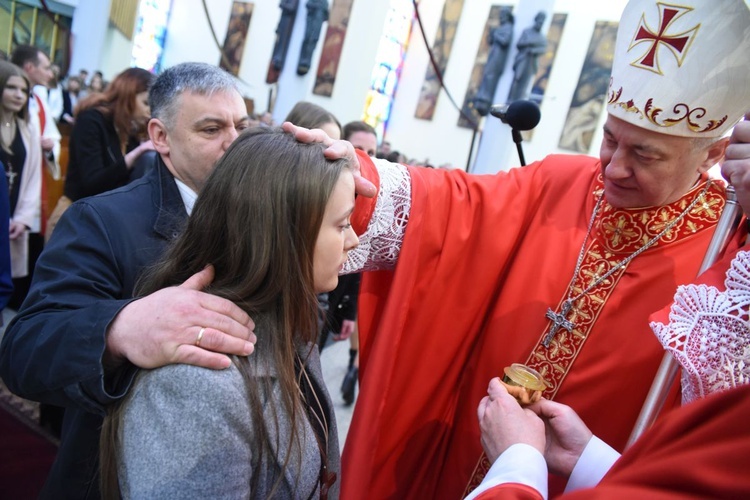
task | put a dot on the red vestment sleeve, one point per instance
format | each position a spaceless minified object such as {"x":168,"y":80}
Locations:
{"x":698,"y":451}
{"x":364,"y":207}
{"x":431,"y":322}
{"x":482,"y":260}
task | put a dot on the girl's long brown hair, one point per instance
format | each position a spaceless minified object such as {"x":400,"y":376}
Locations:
{"x":257,"y":221}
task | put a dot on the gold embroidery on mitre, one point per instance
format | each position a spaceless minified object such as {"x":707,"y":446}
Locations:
{"x":680,"y":112}
{"x":618,"y":233}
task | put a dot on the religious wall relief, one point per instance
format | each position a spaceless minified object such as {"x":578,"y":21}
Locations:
{"x":332,"y":45}
{"x":588,"y":98}
{"x":441,"y":51}
{"x":500,"y":39}
{"x":317,"y":14}
{"x":475,"y":80}
{"x":234,"y":43}
{"x":539,"y":87}
{"x":531,"y":45}
{"x":283,"y":36}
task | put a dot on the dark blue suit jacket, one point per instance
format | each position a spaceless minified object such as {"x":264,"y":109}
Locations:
{"x":6,"y":283}
{"x":52,"y":351}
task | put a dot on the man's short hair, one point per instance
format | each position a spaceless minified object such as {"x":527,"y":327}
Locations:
{"x":357,"y":126}
{"x":23,"y":54}
{"x":200,"y":78}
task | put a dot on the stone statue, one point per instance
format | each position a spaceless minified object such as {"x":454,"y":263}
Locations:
{"x":531,"y":45}
{"x":317,"y":14}
{"x":283,"y":32}
{"x":500,"y":39}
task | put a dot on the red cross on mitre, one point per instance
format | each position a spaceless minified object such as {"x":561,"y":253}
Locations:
{"x":677,"y":43}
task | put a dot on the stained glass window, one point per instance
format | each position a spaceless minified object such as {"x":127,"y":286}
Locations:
{"x":388,"y":65}
{"x":150,"y":32}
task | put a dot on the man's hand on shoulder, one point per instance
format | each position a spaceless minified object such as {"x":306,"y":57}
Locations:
{"x":180,"y":324}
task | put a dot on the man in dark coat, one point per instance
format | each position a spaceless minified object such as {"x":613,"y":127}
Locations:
{"x":80,"y":336}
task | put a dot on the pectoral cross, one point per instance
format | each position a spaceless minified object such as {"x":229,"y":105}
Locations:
{"x":558,"y":321}
{"x":11,"y":175}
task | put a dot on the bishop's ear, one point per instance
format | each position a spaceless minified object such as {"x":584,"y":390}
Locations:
{"x":715,"y":153}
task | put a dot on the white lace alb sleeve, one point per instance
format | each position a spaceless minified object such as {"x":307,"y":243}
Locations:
{"x":380,"y":244}
{"x":708,"y":333}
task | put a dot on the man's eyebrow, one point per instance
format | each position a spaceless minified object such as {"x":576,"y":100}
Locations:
{"x":209,"y":120}
{"x":642,"y":148}
{"x":647,"y":148}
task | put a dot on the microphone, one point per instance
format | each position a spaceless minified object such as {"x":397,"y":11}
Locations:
{"x":520,"y":115}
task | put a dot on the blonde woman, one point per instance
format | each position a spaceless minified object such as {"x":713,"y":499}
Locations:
{"x":21,"y":153}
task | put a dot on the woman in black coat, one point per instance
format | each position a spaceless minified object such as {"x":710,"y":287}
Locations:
{"x":108,"y":135}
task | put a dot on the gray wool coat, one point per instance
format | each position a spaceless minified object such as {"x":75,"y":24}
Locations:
{"x":187,"y":433}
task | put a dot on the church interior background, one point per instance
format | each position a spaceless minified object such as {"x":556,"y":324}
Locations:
{"x":409,"y":68}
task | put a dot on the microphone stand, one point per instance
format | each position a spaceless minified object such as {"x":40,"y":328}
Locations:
{"x":471,"y":148}
{"x":518,"y":139}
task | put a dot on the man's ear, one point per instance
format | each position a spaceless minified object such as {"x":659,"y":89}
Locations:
{"x":715,"y":153}
{"x":157,"y":132}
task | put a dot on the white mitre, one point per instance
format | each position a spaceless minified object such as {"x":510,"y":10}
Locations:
{"x":682,"y":68}
{"x":708,"y":333}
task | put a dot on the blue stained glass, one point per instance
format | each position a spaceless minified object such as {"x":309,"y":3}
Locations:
{"x":388,"y":65}
{"x":150,"y":34}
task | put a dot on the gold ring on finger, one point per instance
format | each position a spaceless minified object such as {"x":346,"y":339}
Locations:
{"x":200,"y":336}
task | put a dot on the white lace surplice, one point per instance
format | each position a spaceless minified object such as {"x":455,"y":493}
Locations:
{"x":708,"y":333}
{"x":380,"y":244}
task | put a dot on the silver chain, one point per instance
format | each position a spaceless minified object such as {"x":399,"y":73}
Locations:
{"x":559,"y":319}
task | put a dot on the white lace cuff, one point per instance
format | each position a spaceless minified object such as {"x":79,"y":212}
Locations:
{"x":380,"y":244}
{"x":708,"y":333}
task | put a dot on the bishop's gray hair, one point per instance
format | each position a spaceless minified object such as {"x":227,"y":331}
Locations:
{"x":200,"y":78}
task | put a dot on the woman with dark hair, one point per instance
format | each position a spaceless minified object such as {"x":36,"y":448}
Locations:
{"x":273,"y":221}
{"x":108,"y":137}
{"x":309,"y":115}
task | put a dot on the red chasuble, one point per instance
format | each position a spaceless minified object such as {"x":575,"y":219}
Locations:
{"x":482,"y":260}
{"x":698,"y":451}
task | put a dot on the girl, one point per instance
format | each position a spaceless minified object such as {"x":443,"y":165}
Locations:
{"x":273,"y":220}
